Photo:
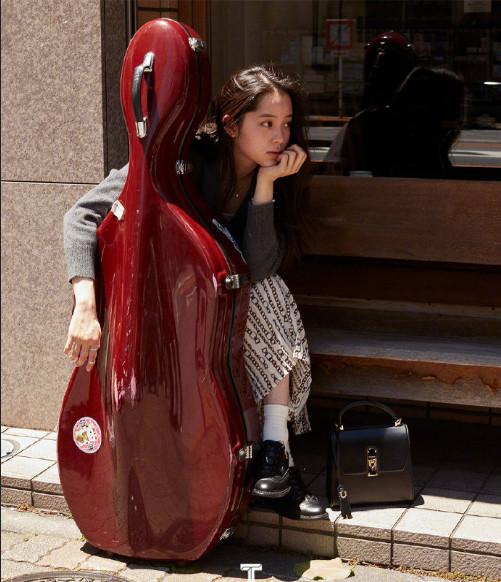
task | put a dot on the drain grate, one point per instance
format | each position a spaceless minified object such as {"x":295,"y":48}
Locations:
{"x":67,"y":576}
{"x":9,"y":447}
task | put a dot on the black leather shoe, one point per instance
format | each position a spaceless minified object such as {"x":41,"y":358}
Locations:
{"x":272,"y":471}
{"x":299,"y":503}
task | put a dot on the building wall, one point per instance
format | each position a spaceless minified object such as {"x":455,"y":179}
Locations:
{"x":62,"y":131}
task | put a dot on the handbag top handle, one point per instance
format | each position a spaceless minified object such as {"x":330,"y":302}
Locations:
{"x":339,"y":425}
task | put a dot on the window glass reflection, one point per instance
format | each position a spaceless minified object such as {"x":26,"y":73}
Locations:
{"x":325,"y":42}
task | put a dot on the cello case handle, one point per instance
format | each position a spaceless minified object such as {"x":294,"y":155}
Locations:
{"x":141,"y":121}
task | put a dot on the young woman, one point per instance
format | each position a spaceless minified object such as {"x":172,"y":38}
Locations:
{"x":251,"y":165}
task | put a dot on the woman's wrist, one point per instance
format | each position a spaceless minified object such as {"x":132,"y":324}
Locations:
{"x":264,"y":189}
{"x":84,"y":292}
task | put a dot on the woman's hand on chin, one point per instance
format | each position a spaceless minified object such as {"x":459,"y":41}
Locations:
{"x":288,"y":162}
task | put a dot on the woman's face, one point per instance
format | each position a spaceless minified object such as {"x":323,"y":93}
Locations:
{"x":262,"y":134}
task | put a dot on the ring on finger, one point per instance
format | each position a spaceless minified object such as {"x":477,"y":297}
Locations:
{"x":93,"y":349}
{"x":92,"y":363}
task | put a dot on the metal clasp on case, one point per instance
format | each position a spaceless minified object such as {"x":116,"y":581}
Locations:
{"x":227,"y":533}
{"x":183,"y":167}
{"x":197,"y":44}
{"x":236,"y":281}
{"x":118,"y":209}
{"x":372,"y":462}
{"x":245,"y":453}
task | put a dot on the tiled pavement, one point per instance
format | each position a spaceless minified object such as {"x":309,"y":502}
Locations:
{"x":454,"y":523}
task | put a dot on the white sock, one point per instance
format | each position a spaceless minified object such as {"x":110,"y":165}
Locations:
{"x":275,"y":425}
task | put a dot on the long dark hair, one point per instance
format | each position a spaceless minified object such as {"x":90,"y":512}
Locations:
{"x":240,"y":95}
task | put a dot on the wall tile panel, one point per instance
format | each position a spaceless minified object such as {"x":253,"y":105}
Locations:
{"x":36,"y":302}
{"x":52,"y":91}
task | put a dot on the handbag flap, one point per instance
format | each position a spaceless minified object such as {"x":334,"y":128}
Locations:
{"x":389,"y":443}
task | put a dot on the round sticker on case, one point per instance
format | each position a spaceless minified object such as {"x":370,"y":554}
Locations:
{"x":87,"y":435}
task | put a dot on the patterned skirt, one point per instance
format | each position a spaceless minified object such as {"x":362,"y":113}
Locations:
{"x":275,"y":345}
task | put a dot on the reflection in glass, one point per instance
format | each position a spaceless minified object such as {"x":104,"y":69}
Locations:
{"x":295,"y":35}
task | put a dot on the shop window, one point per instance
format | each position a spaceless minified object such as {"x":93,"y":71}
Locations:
{"x":324,"y":42}
{"x":140,"y":12}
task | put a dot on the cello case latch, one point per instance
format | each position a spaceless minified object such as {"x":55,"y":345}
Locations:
{"x":247,"y":453}
{"x":183,"y":167}
{"x":227,"y":533}
{"x":197,"y":44}
{"x":117,"y":209}
{"x":236,"y":281}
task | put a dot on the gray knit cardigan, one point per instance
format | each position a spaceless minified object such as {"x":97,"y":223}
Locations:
{"x":256,"y":232}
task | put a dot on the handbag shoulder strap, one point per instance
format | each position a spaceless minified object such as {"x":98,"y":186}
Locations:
{"x":383,"y":407}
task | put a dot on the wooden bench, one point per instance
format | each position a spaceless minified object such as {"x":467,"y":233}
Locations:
{"x":400,"y":292}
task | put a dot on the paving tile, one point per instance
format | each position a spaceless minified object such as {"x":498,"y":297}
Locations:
{"x":27,"y":432}
{"x":142,"y":573}
{"x":426,"y":558}
{"x":28,"y":521}
{"x":308,"y":542}
{"x":371,"y":551}
{"x":486,"y":505}
{"x":12,"y":569}
{"x":70,"y":556}
{"x":44,"y":449}
{"x":260,"y":515}
{"x":370,"y":522}
{"x":478,"y":534}
{"x":19,"y":471}
{"x":12,"y":496}
{"x":4,"y":428}
{"x":258,"y":535}
{"x":457,"y":480}
{"x":469,"y":458}
{"x":21,"y":441}
{"x":33,"y":549}
{"x":105,"y":563}
{"x":422,"y":474}
{"x":476,"y":564}
{"x":241,"y":531}
{"x":10,"y":539}
{"x":444,"y":500}
{"x":51,"y":436}
{"x":50,"y":502}
{"x":48,"y":481}
{"x":493,"y":485}
{"x":199,"y":577}
{"x":315,"y":525}
{"x":365,"y":573}
{"x":426,"y":527}
{"x":227,"y":557}
{"x":238,"y":576}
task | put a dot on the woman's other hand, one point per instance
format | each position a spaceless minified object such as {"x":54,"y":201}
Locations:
{"x":84,"y":333}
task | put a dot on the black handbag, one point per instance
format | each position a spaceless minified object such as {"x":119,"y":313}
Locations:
{"x":369,"y":464}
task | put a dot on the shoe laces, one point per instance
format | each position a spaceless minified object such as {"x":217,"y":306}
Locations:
{"x":298,"y":491}
{"x":271,"y":458}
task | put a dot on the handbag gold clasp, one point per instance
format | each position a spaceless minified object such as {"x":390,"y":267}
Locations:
{"x":372,"y":463}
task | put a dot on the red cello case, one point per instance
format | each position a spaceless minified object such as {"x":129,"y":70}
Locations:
{"x":153,"y":443}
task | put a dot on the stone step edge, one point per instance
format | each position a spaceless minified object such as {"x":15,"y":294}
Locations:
{"x":33,"y":498}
